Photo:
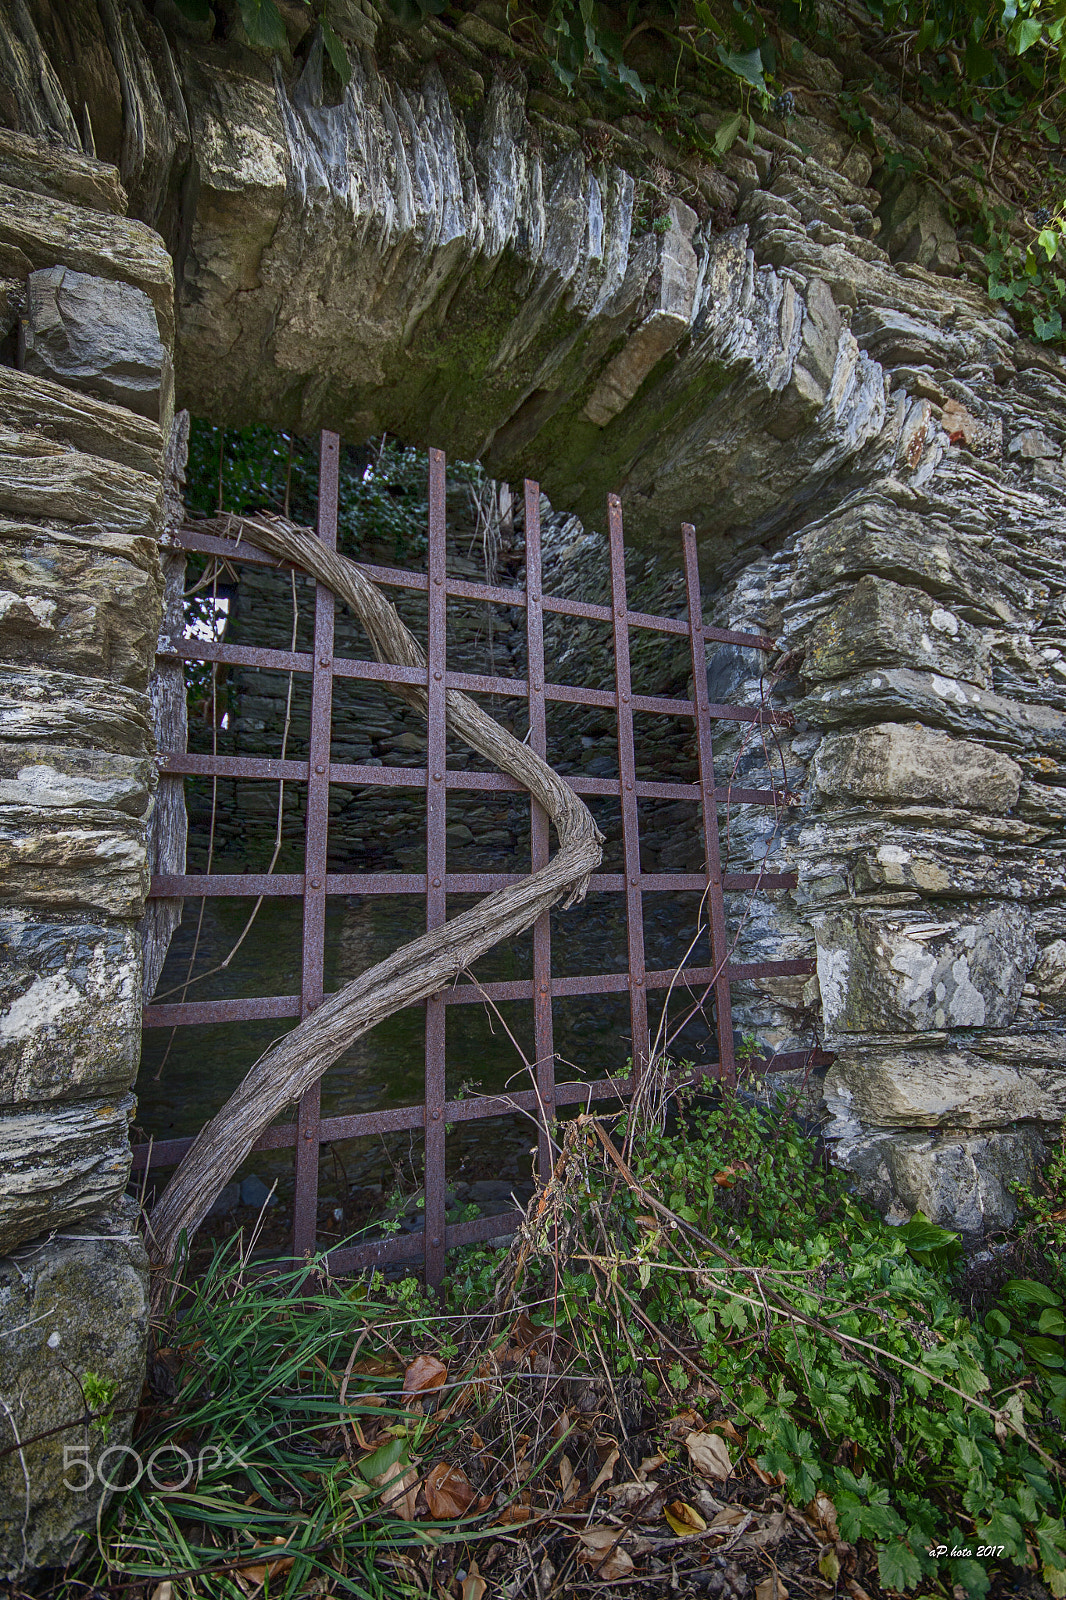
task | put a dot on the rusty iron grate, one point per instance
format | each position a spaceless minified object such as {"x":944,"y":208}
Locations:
{"x":311,"y":1130}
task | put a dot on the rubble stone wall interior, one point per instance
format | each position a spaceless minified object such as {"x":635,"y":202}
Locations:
{"x":794,"y":357}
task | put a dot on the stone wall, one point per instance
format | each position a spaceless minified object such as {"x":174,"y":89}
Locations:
{"x":85,"y":405}
{"x":797,"y":359}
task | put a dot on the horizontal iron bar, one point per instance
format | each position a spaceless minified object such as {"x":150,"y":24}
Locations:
{"x":198,"y":1012}
{"x":410,"y":1246}
{"x":254,"y":1008}
{"x":168,"y":1152}
{"x":397,"y":1119}
{"x":281,"y":885}
{"x":177,"y":763}
{"x":187,"y":538}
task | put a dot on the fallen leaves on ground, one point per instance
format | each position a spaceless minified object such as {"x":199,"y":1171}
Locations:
{"x":684,"y":1518}
{"x":602,"y":1551}
{"x":424,"y":1375}
{"x":709,"y":1455}
{"x":253,"y":1577}
{"x":474,"y":1585}
{"x":448,"y":1492}
{"x":771,"y":1588}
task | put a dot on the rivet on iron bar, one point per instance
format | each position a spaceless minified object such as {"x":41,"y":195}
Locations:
{"x":316,"y":883}
{"x":436,"y":777}
{"x":437,"y":676}
{"x":320,"y":769}
{"x":435,"y":1115}
{"x":436,"y":883}
{"x":436,"y":1244}
{"x":323,"y":661}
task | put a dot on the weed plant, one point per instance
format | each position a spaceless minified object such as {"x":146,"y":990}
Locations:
{"x":720,"y":1269}
{"x":836,"y":1344}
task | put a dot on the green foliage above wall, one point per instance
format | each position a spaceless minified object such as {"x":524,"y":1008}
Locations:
{"x":991,"y":71}
{"x":382,"y":483}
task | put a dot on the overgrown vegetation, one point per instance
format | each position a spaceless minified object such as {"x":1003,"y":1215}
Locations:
{"x":994,"y":69}
{"x":383,"y":494}
{"x":702,"y":1367}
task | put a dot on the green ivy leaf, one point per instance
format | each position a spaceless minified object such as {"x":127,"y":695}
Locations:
{"x":338,"y":55}
{"x":1048,"y":240}
{"x":263,"y":24}
{"x":747,"y":67}
{"x":630,"y":79}
{"x":1024,"y":34}
{"x":1028,"y":1292}
{"x":1049,"y":1352}
{"x":195,"y":10}
{"x":898,"y":1566}
{"x":979,"y":63}
{"x":726,"y":133}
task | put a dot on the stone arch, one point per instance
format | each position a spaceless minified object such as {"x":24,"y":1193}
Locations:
{"x":871,"y":455}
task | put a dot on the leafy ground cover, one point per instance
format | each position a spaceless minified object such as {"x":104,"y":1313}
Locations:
{"x":700,"y":1369}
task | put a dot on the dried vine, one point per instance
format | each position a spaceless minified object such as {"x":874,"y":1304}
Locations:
{"x":289,"y":1068}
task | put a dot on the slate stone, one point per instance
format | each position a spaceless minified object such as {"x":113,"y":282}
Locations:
{"x":69,"y":1008}
{"x":906,"y":762}
{"x":69,"y":604}
{"x":99,"y":336}
{"x":962,"y":1182}
{"x":229,"y":1199}
{"x":69,"y":1306}
{"x":254,"y":1192}
{"x":941,"y":1088}
{"x":885,"y":971}
{"x":883,"y":624}
{"x":93,"y":427}
{"x":915,"y":227}
{"x":898,"y":694}
{"x":60,"y":1164}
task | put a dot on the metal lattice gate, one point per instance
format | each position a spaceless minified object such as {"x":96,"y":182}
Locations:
{"x":547,"y":1097}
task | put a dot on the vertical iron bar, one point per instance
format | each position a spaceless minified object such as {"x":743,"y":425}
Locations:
{"x":723,"y":1007}
{"x":305,"y":1211}
{"x":543,"y":1040}
{"x":627,"y":766}
{"x":436,"y":760}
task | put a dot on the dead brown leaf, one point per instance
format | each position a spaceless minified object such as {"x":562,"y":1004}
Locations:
{"x":771,"y":1588}
{"x":829,"y":1564}
{"x":606,"y":1472}
{"x":163,"y":1591}
{"x":474,"y":1585}
{"x":568,"y":1480}
{"x":709,"y":1455}
{"x":763,"y":1476}
{"x":375,"y":1367}
{"x":823,"y":1513}
{"x":424,"y":1375}
{"x":855,"y":1589}
{"x":684,"y":1518}
{"x":253,"y":1577}
{"x":399,"y":1490}
{"x":728,"y":1517}
{"x":448,"y":1492}
{"x":602,"y":1552}
{"x":767,"y":1534}
{"x":518,"y":1511}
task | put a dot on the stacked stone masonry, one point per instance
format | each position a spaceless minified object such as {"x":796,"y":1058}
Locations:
{"x":84,"y":411}
{"x":797,"y":360}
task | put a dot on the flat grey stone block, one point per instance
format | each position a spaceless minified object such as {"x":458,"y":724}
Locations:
{"x":97,"y":336}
